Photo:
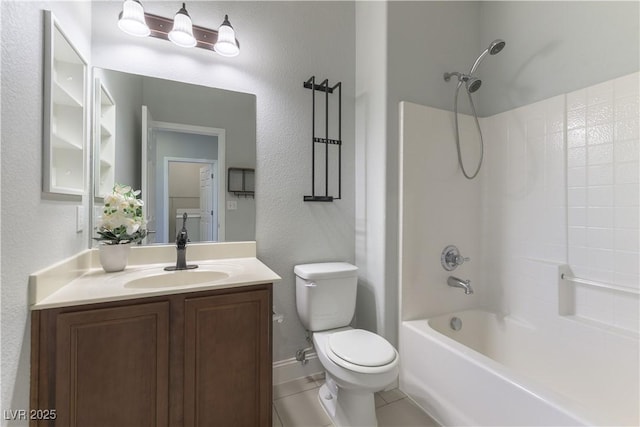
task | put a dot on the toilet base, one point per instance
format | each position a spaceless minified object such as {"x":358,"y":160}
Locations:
{"x":347,"y":408}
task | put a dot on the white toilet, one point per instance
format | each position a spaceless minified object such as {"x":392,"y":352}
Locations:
{"x":357,"y":362}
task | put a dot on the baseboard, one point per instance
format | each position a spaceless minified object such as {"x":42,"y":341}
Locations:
{"x":290,"y":369}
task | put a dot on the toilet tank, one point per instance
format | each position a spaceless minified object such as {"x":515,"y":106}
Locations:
{"x":326,"y":294}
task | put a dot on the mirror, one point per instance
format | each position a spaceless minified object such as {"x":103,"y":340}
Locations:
{"x":176,"y":142}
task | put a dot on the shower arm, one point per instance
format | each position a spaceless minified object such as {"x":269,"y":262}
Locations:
{"x":478,"y":61}
{"x":461,"y":77}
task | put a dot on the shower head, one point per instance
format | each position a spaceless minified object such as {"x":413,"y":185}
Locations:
{"x":494,"y":48}
{"x":473,"y":84}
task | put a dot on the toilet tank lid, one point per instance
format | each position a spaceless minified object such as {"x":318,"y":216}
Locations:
{"x":325,"y":270}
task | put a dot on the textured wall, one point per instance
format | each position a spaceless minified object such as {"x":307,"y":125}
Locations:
{"x":283,"y":44}
{"x":35,"y":231}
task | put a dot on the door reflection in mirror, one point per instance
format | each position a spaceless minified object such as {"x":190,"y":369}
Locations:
{"x":174,"y":157}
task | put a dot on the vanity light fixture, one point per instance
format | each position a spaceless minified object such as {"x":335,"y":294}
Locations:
{"x":131,"y":19}
{"x":135,"y":21}
{"x":182,"y":33}
{"x":227,"y":45}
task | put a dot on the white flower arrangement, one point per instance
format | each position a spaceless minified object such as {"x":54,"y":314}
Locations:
{"x":121,"y":221}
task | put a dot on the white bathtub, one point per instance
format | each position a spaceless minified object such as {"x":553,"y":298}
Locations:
{"x":497,"y":371}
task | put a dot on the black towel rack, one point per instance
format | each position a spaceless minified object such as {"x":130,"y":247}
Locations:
{"x":327,"y":89}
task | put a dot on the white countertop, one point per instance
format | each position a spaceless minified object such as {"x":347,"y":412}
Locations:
{"x":78,"y":281}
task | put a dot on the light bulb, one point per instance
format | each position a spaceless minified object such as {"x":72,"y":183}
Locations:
{"x":131,"y":19}
{"x":182,"y":32}
{"x":227,"y":45}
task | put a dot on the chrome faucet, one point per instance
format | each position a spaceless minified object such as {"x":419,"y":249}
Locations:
{"x":451,"y":258}
{"x":181,"y":246}
{"x":454,"y":282}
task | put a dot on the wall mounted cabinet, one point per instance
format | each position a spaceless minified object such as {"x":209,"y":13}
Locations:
{"x":241,"y":181}
{"x":65,"y":72}
{"x":104,"y":139}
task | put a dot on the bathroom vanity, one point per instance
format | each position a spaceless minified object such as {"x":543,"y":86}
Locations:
{"x":195,"y":351}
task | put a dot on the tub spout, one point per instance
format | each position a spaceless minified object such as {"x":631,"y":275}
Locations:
{"x":454,"y":282}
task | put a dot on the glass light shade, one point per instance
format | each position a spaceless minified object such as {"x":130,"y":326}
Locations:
{"x":132,"y":20}
{"x":226,"y":44}
{"x":182,"y":32}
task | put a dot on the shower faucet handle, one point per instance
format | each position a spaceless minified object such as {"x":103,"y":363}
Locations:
{"x":459,"y":259}
{"x":451,"y":258}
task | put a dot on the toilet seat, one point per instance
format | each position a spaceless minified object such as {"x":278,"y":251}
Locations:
{"x":361,"y":351}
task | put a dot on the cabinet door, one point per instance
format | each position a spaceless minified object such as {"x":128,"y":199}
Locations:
{"x":112,"y":366}
{"x":227,"y":377}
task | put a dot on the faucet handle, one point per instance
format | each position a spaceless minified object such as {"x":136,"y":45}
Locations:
{"x":459,"y":260}
{"x":451,"y":258}
{"x":183,"y":235}
{"x":184,"y":221}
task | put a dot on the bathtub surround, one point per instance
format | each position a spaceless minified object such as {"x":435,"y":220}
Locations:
{"x":581,"y":44}
{"x":583,"y":173}
{"x":603,"y":178}
{"x":532,"y":200}
{"x":450,"y":215}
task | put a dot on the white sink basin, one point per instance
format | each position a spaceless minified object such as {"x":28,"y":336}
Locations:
{"x":177,"y":278}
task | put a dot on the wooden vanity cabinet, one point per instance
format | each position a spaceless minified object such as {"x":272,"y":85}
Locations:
{"x":194,"y":359}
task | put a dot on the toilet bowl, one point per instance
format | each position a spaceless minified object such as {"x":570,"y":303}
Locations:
{"x":357,"y":362}
{"x":354,"y":373}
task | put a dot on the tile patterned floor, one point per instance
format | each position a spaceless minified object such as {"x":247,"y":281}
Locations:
{"x":295,"y":404}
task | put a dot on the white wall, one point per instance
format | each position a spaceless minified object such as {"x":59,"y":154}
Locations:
{"x":373,"y":311}
{"x":282,"y":45}
{"x":35,"y":231}
{"x":553,"y":48}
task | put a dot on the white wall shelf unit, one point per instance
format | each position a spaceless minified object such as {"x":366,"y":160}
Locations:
{"x":65,"y":72}
{"x":105,"y":139}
